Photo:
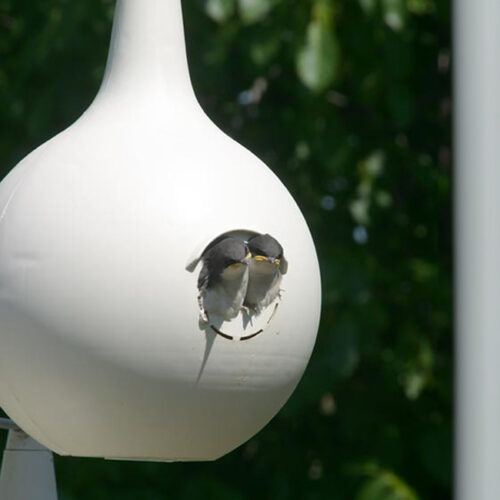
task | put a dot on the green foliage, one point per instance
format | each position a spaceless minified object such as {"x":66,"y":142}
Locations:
{"x":252,"y":11}
{"x":384,"y":485}
{"x":318,"y":59}
{"x":394,"y":13}
{"x":220,"y":10}
{"x":349,"y":103}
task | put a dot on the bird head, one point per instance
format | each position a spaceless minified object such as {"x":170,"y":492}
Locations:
{"x":265,"y":249}
{"x":229,"y":256}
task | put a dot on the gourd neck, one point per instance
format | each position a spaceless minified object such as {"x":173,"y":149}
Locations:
{"x":147,"y":51}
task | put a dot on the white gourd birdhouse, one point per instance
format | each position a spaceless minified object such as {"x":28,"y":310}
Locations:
{"x":102,"y":350}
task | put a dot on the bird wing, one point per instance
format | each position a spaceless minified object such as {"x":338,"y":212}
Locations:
{"x":213,"y":243}
{"x":203,"y":278}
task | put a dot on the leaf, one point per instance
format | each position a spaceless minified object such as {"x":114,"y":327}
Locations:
{"x":421,"y":7}
{"x":252,"y":11}
{"x":318,"y":60}
{"x":414,"y":384}
{"x":369,"y":168}
{"x":360,"y":209}
{"x":373,"y":166}
{"x":423,"y":270}
{"x":383,"y":198}
{"x":368,"y":6}
{"x":419,"y":370}
{"x":220,"y":10}
{"x":385,"y":485}
{"x":264,"y":51}
{"x":394,"y":14}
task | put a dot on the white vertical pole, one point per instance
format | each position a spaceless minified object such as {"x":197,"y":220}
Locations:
{"x":27,"y":471}
{"x":476,"y":38}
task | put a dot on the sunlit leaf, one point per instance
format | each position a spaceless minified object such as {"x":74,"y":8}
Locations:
{"x":419,"y":370}
{"x":373,"y":165}
{"x":385,"y":485}
{"x":252,"y":11}
{"x":220,"y":10}
{"x":414,"y":384}
{"x":360,"y":210}
{"x":319,"y":58}
{"x":394,"y":14}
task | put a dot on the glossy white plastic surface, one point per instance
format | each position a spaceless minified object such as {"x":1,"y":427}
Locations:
{"x":101,"y":350}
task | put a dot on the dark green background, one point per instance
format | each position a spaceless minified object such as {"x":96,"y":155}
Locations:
{"x":348,"y":101}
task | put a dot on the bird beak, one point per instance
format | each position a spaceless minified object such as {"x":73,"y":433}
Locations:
{"x":247,"y":258}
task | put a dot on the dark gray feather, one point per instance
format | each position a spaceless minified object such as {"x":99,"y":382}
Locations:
{"x":266,"y":245}
{"x":217,"y":257}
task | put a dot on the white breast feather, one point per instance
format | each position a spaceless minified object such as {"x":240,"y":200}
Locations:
{"x":225,"y":299}
{"x":263,"y":285}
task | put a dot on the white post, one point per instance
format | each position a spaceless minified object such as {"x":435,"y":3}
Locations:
{"x":27,"y":469}
{"x":477,"y":248}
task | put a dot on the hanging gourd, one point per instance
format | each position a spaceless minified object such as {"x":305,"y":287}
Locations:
{"x":159,"y":287}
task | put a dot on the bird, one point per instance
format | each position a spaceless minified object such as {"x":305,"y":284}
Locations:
{"x":223,"y":279}
{"x":266,"y":268}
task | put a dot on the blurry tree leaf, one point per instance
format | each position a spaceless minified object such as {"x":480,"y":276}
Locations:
{"x":414,"y":383}
{"x":383,"y":199}
{"x":373,"y":166}
{"x":394,"y":14}
{"x":418,"y":370}
{"x":220,"y":10}
{"x":264,"y":51}
{"x":360,"y":210}
{"x":252,"y":11}
{"x":318,"y":60}
{"x":323,"y":11}
{"x":368,"y":6}
{"x":422,"y":270}
{"x":420,"y":7}
{"x":369,"y":169}
{"x":385,"y":485}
